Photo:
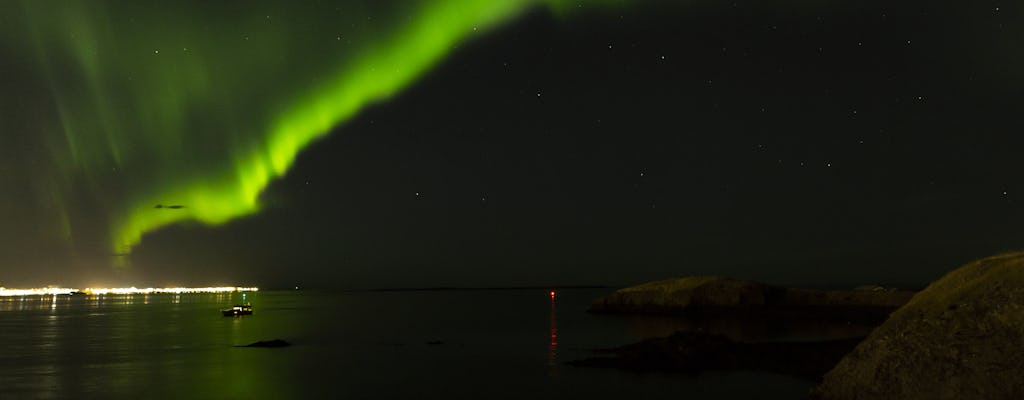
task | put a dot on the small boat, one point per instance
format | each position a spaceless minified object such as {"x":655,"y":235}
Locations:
{"x":241,"y":309}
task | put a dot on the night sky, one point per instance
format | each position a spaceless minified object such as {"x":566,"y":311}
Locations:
{"x":501,"y":143}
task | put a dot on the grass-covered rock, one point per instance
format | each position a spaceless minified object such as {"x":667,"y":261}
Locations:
{"x":960,"y":338}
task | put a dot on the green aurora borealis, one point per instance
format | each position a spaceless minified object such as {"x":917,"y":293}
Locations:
{"x":129,"y":105}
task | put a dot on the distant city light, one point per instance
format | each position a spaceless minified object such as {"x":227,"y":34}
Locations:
{"x":34,"y":292}
{"x":131,"y":290}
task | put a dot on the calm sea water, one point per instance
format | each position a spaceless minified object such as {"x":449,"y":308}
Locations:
{"x":363,"y":345}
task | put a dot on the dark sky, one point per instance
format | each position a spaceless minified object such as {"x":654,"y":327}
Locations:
{"x":786,"y":141}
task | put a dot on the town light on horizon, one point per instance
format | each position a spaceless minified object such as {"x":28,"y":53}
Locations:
{"x":129,"y":290}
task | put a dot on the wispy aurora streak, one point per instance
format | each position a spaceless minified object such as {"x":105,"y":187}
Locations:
{"x":205,"y":104}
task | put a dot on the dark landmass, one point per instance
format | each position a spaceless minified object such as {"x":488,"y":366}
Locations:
{"x":719,"y":296}
{"x":268,"y":343}
{"x":960,"y":338}
{"x":695,"y":352}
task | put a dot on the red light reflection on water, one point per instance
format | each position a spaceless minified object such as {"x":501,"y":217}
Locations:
{"x":553,"y":344}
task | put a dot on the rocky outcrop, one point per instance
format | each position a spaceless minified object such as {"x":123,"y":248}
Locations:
{"x":695,"y":352}
{"x":687,"y":293}
{"x":268,"y":343}
{"x":960,"y":338}
{"x":719,"y":295}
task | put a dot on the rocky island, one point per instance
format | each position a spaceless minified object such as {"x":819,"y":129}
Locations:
{"x":735,"y":325}
{"x":719,"y":296}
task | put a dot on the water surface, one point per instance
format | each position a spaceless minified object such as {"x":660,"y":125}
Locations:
{"x":354,"y":345}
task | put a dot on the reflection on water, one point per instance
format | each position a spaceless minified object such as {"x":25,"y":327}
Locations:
{"x":509,"y":344}
{"x":70,"y":302}
{"x":553,"y":346}
{"x":63,"y":345}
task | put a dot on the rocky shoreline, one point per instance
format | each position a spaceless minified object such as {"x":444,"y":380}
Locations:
{"x":961,"y":337}
{"x":714,"y":306}
{"x":696,"y":352}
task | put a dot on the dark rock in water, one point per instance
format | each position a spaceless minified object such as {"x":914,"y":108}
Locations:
{"x":268,"y":343}
{"x":960,"y":338}
{"x":695,"y":352}
{"x":713,"y":295}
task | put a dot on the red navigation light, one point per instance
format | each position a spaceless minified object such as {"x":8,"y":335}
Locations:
{"x":552,"y":294}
